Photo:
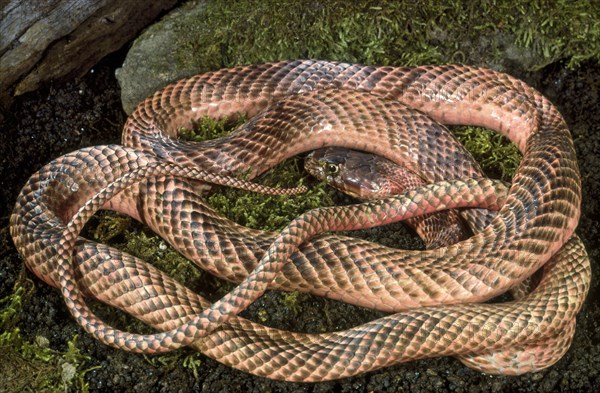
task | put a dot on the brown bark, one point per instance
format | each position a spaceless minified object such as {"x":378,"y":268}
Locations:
{"x":42,"y":40}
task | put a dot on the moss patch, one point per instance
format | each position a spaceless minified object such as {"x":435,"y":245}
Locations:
{"x":272,"y":212}
{"x":32,"y":365}
{"x":498,"y":157}
{"x":393,"y":32}
{"x":207,"y":128}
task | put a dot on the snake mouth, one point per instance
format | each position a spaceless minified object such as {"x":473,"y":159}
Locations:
{"x":359,"y":188}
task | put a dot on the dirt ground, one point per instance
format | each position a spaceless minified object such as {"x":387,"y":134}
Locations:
{"x":55,"y":120}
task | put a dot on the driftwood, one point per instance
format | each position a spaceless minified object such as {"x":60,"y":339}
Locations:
{"x":42,"y":40}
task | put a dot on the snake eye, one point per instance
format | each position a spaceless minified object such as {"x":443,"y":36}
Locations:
{"x":331,"y":169}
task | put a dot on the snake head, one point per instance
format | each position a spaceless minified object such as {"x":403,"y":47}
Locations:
{"x":351,"y":172}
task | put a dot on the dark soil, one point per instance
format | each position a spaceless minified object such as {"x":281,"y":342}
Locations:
{"x":45,"y":124}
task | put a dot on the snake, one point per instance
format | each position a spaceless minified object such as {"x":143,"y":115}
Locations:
{"x":367,"y":177}
{"x":294,"y":107}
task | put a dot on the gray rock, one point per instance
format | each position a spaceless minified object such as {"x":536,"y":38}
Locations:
{"x":152,"y":62}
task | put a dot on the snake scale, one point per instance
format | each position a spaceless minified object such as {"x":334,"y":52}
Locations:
{"x":297,"y":106}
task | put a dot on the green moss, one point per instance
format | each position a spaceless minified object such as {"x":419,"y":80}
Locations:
{"x":497,"y":156}
{"x":393,"y":32}
{"x":170,"y":361}
{"x":290,"y":301}
{"x":263,"y":315}
{"x":112,"y":226}
{"x":558,"y":30}
{"x":12,"y":305}
{"x":208,"y":128}
{"x":32,"y":365}
{"x":193,"y":361}
{"x":271,"y":212}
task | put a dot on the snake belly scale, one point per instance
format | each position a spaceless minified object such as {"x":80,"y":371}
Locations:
{"x":359,"y":107}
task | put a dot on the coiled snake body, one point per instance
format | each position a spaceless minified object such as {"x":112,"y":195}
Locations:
{"x":301,"y":106}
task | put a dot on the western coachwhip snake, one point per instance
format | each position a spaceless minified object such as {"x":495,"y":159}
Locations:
{"x":301,"y":106}
{"x":369,"y":177}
